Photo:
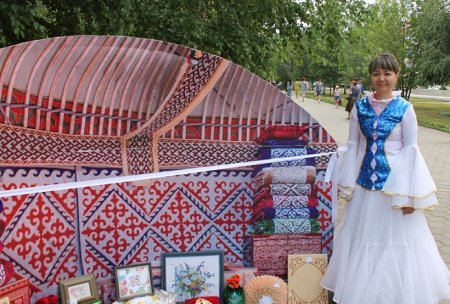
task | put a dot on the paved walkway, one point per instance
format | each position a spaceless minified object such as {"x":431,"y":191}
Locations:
{"x":435,"y":147}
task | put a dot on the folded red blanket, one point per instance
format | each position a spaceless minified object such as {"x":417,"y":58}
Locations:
{"x":282,"y":132}
{"x":284,"y":201}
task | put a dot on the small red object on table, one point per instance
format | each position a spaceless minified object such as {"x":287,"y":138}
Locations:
{"x":203,"y":300}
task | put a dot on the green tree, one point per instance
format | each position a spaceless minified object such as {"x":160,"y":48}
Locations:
{"x":247,"y":32}
{"x":20,"y":20}
{"x":389,"y":29}
{"x":433,"y":31}
{"x":94,"y":17}
{"x":417,"y":33}
{"x":328,"y":39}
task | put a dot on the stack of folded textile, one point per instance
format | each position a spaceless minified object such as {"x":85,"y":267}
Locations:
{"x":285,"y":203}
{"x":285,"y":200}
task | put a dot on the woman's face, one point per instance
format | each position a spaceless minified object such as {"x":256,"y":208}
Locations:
{"x":383,"y":82}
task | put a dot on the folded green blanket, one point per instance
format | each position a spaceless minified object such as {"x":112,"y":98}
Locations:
{"x":277,"y":226}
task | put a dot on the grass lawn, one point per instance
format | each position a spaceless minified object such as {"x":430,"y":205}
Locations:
{"x":431,"y":113}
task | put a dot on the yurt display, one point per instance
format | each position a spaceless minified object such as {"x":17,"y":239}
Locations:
{"x":82,"y":108}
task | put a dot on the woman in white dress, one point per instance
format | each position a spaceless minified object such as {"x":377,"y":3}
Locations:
{"x":384,"y":252}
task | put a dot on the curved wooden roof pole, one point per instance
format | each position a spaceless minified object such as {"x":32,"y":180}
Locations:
{"x":139,"y":149}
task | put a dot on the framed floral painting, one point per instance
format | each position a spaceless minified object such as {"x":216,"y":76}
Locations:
{"x":193,"y":274}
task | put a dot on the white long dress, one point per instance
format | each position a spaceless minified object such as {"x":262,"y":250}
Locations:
{"x":381,"y":256}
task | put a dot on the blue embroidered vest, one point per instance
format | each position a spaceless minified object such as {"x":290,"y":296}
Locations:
{"x":376,"y":129}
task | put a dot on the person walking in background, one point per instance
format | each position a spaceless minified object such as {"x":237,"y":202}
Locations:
{"x":279,"y":84}
{"x":297,"y":87}
{"x":318,"y":89}
{"x":355,"y":94}
{"x":384,"y":251}
{"x":289,"y":88}
{"x":361,"y":87}
{"x":337,"y":97}
{"x":304,"y":86}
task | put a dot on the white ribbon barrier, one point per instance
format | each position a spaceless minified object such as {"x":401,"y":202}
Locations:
{"x":330,"y":175}
{"x":148,"y":176}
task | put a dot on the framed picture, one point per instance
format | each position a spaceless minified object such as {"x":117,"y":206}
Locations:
{"x":4,"y":301}
{"x":83,"y":289}
{"x":133,"y":281}
{"x":192,"y":274}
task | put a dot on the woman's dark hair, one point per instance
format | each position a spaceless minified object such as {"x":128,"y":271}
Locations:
{"x":385,"y":61}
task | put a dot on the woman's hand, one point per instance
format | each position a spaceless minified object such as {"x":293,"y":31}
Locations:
{"x":407,"y":210}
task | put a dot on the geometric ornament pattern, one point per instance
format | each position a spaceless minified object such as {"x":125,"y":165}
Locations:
{"x":24,"y":146}
{"x":174,"y":153}
{"x":20,"y":146}
{"x":43,"y":148}
{"x":40,"y":238}
{"x":324,"y":208}
{"x":58,"y":235}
